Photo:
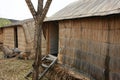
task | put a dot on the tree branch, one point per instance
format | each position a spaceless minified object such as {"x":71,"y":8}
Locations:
{"x":31,"y":8}
{"x":44,"y":12}
{"x":40,"y":7}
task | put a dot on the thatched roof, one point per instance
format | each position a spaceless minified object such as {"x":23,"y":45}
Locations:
{"x":13,"y":20}
{"x":18,"y":23}
{"x":87,"y":8}
{"x":4,"y":22}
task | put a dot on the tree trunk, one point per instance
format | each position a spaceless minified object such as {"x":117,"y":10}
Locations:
{"x":37,"y":42}
{"x":38,"y":18}
{"x":37,"y":47}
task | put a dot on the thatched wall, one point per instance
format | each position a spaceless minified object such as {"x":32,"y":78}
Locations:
{"x":21,"y":39}
{"x":1,"y":36}
{"x":25,"y":34}
{"x":28,"y":29}
{"x":43,"y":45}
{"x":8,"y":37}
{"x":91,"y":46}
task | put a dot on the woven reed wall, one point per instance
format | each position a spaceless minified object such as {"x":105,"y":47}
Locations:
{"x":1,"y":35}
{"x":25,"y":37}
{"x":43,"y":45}
{"x":114,"y":48}
{"x":91,"y":46}
{"x":8,"y":37}
{"x":21,"y":39}
{"x":28,"y":29}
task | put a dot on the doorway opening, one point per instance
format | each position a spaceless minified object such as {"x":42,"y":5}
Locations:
{"x":53,"y":39}
{"x":15,"y":37}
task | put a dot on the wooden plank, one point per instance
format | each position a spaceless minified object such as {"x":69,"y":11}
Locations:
{"x":46,"y":70}
{"x":44,"y":66}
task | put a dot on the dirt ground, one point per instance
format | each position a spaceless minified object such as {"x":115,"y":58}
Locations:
{"x":13,"y":69}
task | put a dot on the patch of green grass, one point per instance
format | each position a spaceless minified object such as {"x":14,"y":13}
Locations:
{"x":4,"y":22}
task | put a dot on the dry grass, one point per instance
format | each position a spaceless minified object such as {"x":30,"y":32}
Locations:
{"x":61,"y":73}
{"x":13,"y":69}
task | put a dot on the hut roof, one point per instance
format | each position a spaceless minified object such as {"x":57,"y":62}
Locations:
{"x":87,"y":8}
{"x":4,"y":21}
{"x":28,"y":28}
{"x":18,"y":23}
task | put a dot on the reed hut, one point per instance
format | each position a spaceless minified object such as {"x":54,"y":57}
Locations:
{"x":20,"y":35}
{"x":86,"y":37}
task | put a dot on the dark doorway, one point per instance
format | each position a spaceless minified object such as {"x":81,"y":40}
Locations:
{"x":53,"y":39}
{"x":15,"y":37}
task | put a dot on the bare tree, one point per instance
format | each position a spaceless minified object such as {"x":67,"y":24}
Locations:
{"x":38,"y":17}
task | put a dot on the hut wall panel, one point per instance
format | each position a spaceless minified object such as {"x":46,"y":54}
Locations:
{"x":43,"y":45}
{"x":1,"y":37}
{"x":114,"y":64}
{"x":27,"y":42}
{"x":76,"y":46}
{"x":114,"y":48}
{"x":115,"y":37}
{"x":114,"y":29}
{"x":114,"y":22}
{"x":96,"y":30}
{"x":114,"y":75}
{"x":8,"y":37}
{"x":21,"y":39}
{"x":28,"y":29}
{"x":87,"y":43}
